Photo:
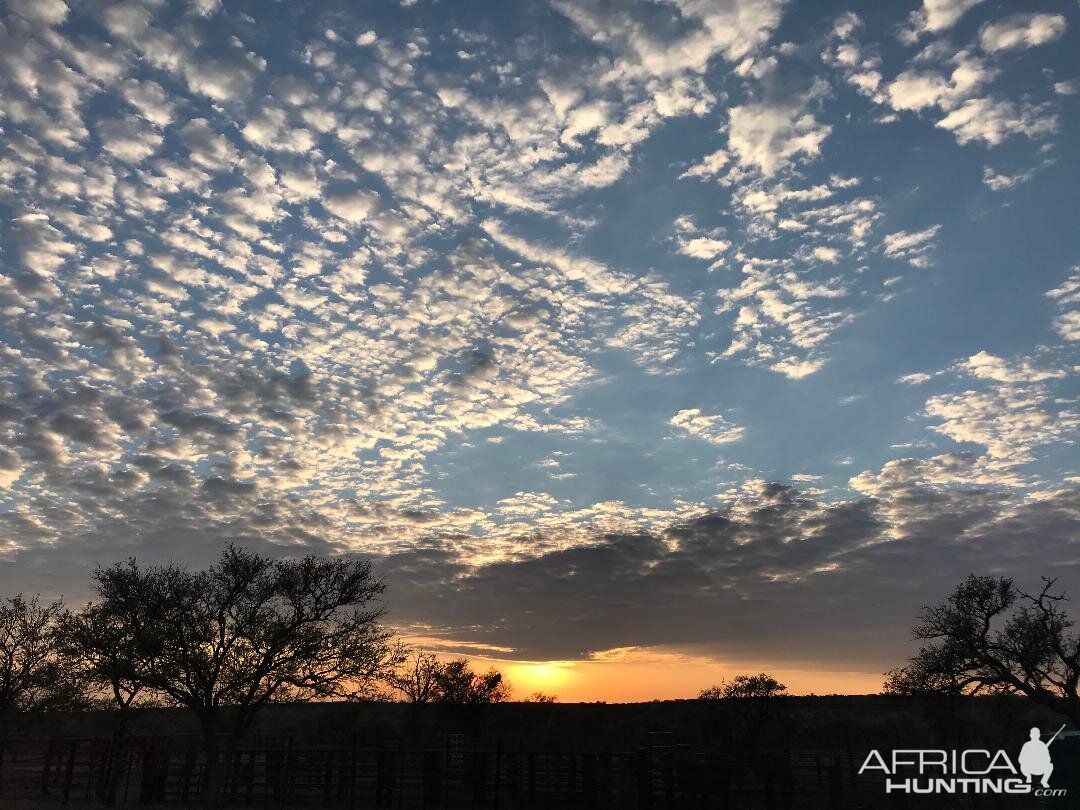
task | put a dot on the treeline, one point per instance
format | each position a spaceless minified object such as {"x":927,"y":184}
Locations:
{"x":223,"y":643}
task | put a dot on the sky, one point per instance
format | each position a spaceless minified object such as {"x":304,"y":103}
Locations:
{"x":637,"y":344}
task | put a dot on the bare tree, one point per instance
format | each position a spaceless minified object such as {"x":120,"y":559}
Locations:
{"x":417,"y":678}
{"x":34,"y":674}
{"x":989,"y":636}
{"x":104,"y":649}
{"x":247,"y":632}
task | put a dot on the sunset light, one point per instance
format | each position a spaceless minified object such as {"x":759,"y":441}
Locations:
{"x":645,"y":404}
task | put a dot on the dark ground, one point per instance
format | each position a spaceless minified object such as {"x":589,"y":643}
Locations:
{"x":804,"y":753}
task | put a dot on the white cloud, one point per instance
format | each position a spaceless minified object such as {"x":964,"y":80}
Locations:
{"x":986,"y":366}
{"x":913,"y":90}
{"x":912,"y":246}
{"x":128,"y":139}
{"x":709,"y":166}
{"x":770,"y":137}
{"x":936,"y":16}
{"x":151,"y":100}
{"x":1067,"y":296}
{"x":915,"y":378}
{"x":708,"y":245}
{"x":1021,"y":31}
{"x":208,"y":148}
{"x":896,"y":479}
{"x":826,"y":254}
{"x":919,"y":88}
{"x":352,"y":206}
{"x":1001,"y":182}
{"x":733,"y":29}
{"x":47,"y":12}
{"x":992,"y":121}
{"x":1009,"y":421}
{"x":713,"y":429}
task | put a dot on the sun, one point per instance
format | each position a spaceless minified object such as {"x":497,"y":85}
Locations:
{"x":540,"y":676}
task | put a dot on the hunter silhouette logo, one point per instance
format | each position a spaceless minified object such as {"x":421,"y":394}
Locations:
{"x":968,"y":771}
{"x":1035,"y":759}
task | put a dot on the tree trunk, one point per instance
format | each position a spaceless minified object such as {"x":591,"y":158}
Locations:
{"x":117,"y":750}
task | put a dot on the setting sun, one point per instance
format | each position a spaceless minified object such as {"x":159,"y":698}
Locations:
{"x":544,"y":677}
{"x":538,"y":403}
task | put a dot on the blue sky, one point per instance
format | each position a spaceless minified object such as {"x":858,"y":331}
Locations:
{"x":484,"y":289}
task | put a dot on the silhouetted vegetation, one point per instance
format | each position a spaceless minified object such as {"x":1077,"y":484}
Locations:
{"x":423,"y":678}
{"x":989,"y":636}
{"x":35,"y":674}
{"x":456,"y":682}
{"x":541,"y":697}
{"x":752,"y":698}
{"x":226,"y":643}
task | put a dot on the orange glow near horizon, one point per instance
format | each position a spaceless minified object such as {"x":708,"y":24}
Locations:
{"x":633,"y":674}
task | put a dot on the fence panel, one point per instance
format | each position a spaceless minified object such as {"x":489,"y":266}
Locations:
{"x":278,"y":773}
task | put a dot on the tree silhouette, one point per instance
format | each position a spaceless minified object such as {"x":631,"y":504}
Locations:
{"x":457,"y":683}
{"x":988,"y":636}
{"x":541,"y":697}
{"x":35,"y":675}
{"x":423,"y":678}
{"x":417,"y":678}
{"x":751,"y":699}
{"x":104,"y":649}
{"x":247,"y":632}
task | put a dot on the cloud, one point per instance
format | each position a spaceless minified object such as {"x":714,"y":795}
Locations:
{"x":992,"y":121}
{"x":936,"y":16}
{"x":774,"y":561}
{"x":647,"y":42}
{"x":1002,"y":182}
{"x":127,"y":139}
{"x":969,"y":115}
{"x":208,"y":148}
{"x":1067,"y":297}
{"x":986,"y":366}
{"x":713,"y":429}
{"x":1021,"y":31}
{"x":709,"y":245}
{"x":45,"y":12}
{"x":912,"y":246}
{"x":151,"y":100}
{"x":352,"y":206}
{"x":1009,"y":421}
{"x":770,"y":136}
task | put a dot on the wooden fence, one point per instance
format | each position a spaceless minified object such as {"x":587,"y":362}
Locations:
{"x":158,"y":771}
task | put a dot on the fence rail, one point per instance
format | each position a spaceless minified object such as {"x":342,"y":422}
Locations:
{"x":157,"y":771}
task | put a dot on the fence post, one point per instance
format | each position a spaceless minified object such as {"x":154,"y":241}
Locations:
{"x":46,"y":769}
{"x":498,"y":768}
{"x":290,"y":771}
{"x":69,"y":772}
{"x":352,"y":775}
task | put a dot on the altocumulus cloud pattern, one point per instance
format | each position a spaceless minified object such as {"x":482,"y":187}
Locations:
{"x":580,"y":316}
